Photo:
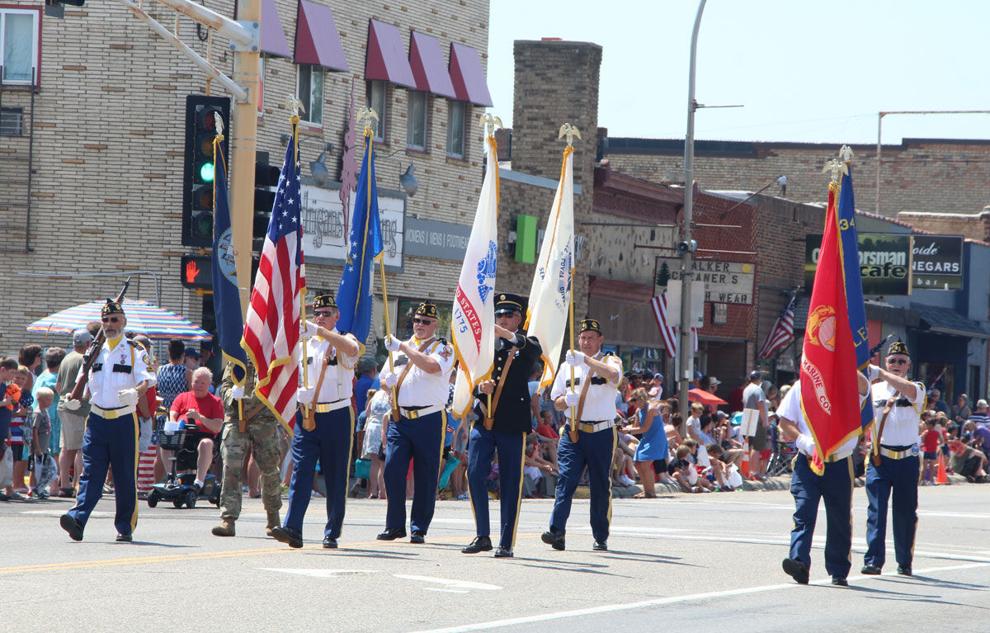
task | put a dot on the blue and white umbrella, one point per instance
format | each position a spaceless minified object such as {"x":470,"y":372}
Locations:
{"x":142,"y":318}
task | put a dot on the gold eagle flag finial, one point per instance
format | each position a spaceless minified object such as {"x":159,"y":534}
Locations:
{"x":835,"y":168}
{"x":846,"y":154}
{"x":489,"y":122}
{"x":569,"y":132}
{"x":368,"y":119}
{"x":295,"y":105}
{"x":218,"y":123}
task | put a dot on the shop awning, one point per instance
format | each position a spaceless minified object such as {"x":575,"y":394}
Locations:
{"x":387,"y":60}
{"x":468,"y":76}
{"x":948,"y":321}
{"x":273,"y":40}
{"x":317,"y":39}
{"x":428,"y":67}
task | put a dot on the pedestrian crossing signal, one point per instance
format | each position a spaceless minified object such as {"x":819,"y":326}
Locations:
{"x":197,"y":272}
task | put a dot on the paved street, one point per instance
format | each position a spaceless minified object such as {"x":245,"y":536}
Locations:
{"x":707,"y":562}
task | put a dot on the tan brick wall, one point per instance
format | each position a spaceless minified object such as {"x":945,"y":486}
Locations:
{"x":974,"y":227}
{"x":918,"y":175}
{"x":108,"y":150}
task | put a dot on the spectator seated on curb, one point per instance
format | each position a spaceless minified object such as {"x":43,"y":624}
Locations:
{"x":968,"y":462}
{"x":685,"y":473}
{"x":539,"y":475}
{"x":724,"y":475}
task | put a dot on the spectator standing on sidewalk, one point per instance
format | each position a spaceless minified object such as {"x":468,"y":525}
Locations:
{"x":755,"y":400}
{"x":49,"y":378}
{"x":174,"y":377}
{"x":653,"y":441}
{"x":73,"y":421}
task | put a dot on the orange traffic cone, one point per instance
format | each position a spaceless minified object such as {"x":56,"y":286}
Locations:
{"x":744,"y":464}
{"x":941,"y":477}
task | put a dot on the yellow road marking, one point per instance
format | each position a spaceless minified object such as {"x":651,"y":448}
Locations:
{"x":138,"y":560}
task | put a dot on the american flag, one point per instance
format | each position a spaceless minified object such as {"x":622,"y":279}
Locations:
{"x":271,"y":331}
{"x":782,"y":333}
{"x":667,"y":332}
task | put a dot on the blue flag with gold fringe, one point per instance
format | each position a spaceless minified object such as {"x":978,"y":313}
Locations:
{"x":226,"y":297}
{"x":854,"y":281}
{"x":365,"y":246}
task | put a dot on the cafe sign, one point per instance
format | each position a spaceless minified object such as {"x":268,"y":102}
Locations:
{"x":884,"y":262}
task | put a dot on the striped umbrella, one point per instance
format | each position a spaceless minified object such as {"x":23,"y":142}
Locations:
{"x":142,"y":318}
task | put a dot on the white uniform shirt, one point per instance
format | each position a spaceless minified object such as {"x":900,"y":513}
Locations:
{"x":420,"y":388}
{"x":338,"y":383}
{"x":790,"y":408}
{"x":124,"y":367}
{"x":901,"y":427}
{"x":599,"y":404}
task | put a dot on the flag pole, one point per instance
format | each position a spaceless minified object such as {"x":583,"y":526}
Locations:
{"x":568,"y":131}
{"x":309,"y":423}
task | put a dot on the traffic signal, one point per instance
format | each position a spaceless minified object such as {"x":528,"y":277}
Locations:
{"x":265,"y":182}
{"x":197,"y":272}
{"x":198,"y":169}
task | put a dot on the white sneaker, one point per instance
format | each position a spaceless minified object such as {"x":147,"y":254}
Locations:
{"x":625,"y":480}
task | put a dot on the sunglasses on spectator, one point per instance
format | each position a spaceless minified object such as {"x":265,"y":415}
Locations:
{"x":896,"y":361}
{"x":111,"y":319}
{"x":419,"y":321}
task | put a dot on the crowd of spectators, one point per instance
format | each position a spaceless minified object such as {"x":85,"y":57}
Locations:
{"x":40,"y":439}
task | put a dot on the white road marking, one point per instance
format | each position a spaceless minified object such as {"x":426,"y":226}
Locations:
{"x":610,"y":608}
{"x":449,"y":584}
{"x":322,"y":573}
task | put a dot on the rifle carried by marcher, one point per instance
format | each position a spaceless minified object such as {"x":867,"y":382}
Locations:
{"x":92,"y":352}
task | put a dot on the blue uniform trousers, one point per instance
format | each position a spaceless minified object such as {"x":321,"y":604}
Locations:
{"x":481,"y":448}
{"x":330,"y":444}
{"x":421,"y":440}
{"x":835,"y":486}
{"x":901,"y":475}
{"x":109,"y":443}
{"x":595,"y":451}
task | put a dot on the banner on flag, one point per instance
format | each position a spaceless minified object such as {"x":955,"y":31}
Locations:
{"x":271,"y":331}
{"x":472,"y":323}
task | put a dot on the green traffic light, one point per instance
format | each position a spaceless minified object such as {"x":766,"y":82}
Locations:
{"x":206,"y":172}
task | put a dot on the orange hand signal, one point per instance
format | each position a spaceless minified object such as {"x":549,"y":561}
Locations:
{"x":192,"y":271}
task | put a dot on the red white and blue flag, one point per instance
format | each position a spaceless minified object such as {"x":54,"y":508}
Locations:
{"x":782,"y":333}
{"x":668,"y":333}
{"x":271,"y":331}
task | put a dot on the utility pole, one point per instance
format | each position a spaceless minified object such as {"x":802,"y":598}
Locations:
{"x":687,"y":246}
{"x":244,"y":36}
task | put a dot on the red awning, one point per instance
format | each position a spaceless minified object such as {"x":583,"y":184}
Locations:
{"x":273,"y":40}
{"x":467,"y":75}
{"x":428,"y":68}
{"x":387,"y":60}
{"x":317,"y":39}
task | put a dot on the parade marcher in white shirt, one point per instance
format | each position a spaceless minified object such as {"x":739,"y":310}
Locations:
{"x":592,"y":396}
{"x":901,"y":401}
{"x":419,"y":375}
{"x":329,"y":377}
{"x":117,"y":379}
{"x":834,"y":485}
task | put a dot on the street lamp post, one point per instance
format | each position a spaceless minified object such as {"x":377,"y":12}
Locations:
{"x":687,"y":246}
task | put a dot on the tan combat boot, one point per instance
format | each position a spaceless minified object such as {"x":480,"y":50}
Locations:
{"x":273,"y":521}
{"x":226,"y":528}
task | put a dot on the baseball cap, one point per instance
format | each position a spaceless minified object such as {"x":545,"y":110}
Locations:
{"x":191,"y":352}
{"x":715,"y":381}
{"x":756,"y":373}
{"x":721,"y":414}
{"x":658,"y":376}
{"x":81,"y":337}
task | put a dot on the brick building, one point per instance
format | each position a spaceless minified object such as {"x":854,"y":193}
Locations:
{"x":97,"y":146}
{"x":927,"y":175}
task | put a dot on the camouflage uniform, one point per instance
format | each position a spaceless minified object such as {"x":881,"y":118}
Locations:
{"x":262,"y":434}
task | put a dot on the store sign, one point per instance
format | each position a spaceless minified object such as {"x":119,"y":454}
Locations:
{"x":725,"y":282}
{"x":884,"y":262}
{"x":323,"y":225}
{"x":936,"y":262}
{"x":431,"y":238}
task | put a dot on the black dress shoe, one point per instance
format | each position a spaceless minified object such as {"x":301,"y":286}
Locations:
{"x":600,"y":546}
{"x":479,"y":544}
{"x":554,"y":540}
{"x":839,"y":582}
{"x":124,"y":538}
{"x":904,"y":570}
{"x":288,"y":536}
{"x":73,"y":527}
{"x":870,"y":570}
{"x":390,"y":534}
{"x":418,"y":538}
{"x":503,"y":552}
{"x":329,"y":542}
{"x":796,"y":570}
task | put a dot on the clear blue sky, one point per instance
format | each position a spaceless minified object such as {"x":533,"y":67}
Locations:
{"x":813,"y":71}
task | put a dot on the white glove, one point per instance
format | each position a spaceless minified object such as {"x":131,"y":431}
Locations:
{"x":806,"y":444}
{"x":392,"y":344}
{"x":237,"y":392}
{"x":305,"y":396}
{"x":873,"y":373}
{"x":573,"y":358}
{"x":572,"y":398}
{"x":391,"y":380}
{"x":72,"y":405}
{"x":128,"y":397}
